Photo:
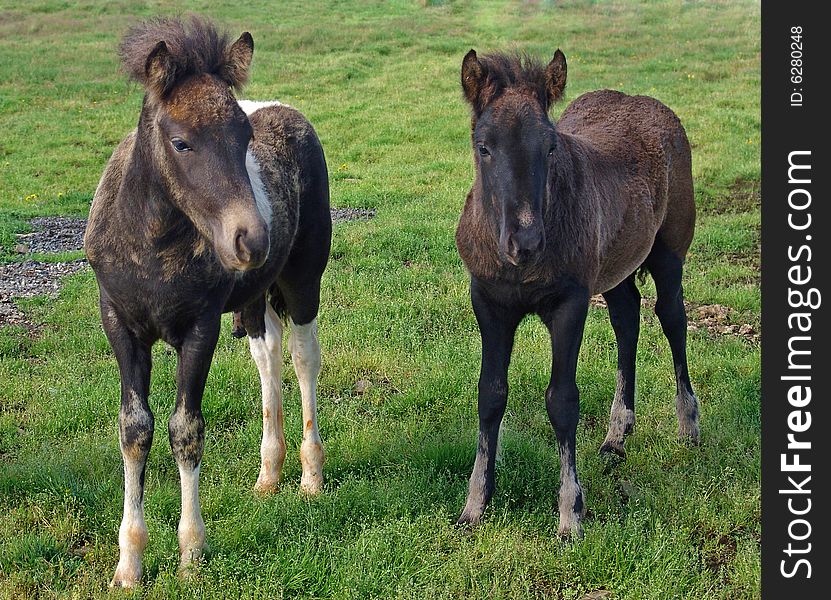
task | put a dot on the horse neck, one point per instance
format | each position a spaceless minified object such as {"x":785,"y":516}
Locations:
{"x":564,"y":178}
{"x":144,"y":200}
{"x":571,"y":207}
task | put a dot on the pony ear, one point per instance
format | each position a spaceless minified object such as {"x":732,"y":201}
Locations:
{"x":473,"y":76}
{"x":159,"y":70}
{"x":555,"y":77}
{"x":238,"y":61}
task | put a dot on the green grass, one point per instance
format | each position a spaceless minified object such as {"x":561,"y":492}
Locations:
{"x":379,"y":80}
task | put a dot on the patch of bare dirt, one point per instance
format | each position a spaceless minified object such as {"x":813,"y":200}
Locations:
{"x":716,"y":550}
{"x":744,"y":195}
{"x":351,"y":214}
{"x":716,"y":319}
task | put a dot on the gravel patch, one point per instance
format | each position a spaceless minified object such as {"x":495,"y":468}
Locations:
{"x":62,"y":234}
{"x":352,"y":214}
{"x":11,"y":315}
{"x":28,"y":279}
{"x":52,"y":235}
{"x":33,"y":278}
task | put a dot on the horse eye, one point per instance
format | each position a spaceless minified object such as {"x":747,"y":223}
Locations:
{"x":179,"y":145}
{"x":551,"y":151}
{"x":483,"y":151}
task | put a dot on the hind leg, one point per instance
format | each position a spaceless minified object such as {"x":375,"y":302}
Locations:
{"x":666,"y":268}
{"x":305,"y":354}
{"x":265,"y":338}
{"x":298,"y":287}
{"x":624,"y":303}
{"x":238,"y":329}
{"x":302,"y":298}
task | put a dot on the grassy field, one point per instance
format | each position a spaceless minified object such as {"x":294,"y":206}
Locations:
{"x":379,"y":80}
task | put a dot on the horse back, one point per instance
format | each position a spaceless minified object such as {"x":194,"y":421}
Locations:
{"x":637,"y":152}
{"x":615,"y":120}
{"x":639,"y":134}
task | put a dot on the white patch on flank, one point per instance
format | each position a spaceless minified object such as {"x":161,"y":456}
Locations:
{"x":257,"y":185}
{"x":249,"y":107}
{"x":305,"y":354}
{"x":267,"y":352}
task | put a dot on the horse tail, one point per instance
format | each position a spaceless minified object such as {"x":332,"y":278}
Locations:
{"x":641,"y":273}
{"x":278,"y":303}
{"x":238,"y":329}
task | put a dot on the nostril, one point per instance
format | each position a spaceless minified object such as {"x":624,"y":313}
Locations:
{"x":240,"y":246}
{"x":513,"y":246}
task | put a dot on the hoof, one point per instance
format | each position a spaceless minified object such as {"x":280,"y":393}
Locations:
{"x":311,"y":484}
{"x":571,"y":525}
{"x":613,"y":448}
{"x":689,"y":436}
{"x":688,"y":431}
{"x":468,"y":521}
{"x":266,"y":487}
{"x":189,"y":562}
{"x":687,"y":410}
{"x":572,"y":509}
{"x":312,"y":457}
{"x":126,"y":576}
{"x":123,"y":584}
{"x":572,"y":530}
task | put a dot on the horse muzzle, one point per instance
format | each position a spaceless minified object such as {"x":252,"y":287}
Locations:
{"x":523,"y":245}
{"x":244,"y":246}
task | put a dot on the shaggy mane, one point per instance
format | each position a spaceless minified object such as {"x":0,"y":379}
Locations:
{"x":195,"y":46}
{"x":512,"y":70}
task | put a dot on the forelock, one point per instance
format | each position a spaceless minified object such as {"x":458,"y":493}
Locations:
{"x":195,"y":46}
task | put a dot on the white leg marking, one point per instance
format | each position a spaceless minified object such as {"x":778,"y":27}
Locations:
{"x":268,"y":355}
{"x":191,"y":526}
{"x":187,"y":450}
{"x":687,"y":409}
{"x":132,"y":535}
{"x":570,"y":490}
{"x":499,"y":442}
{"x":476,"y":501}
{"x":621,"y":419}
{"x":305,"y":354}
